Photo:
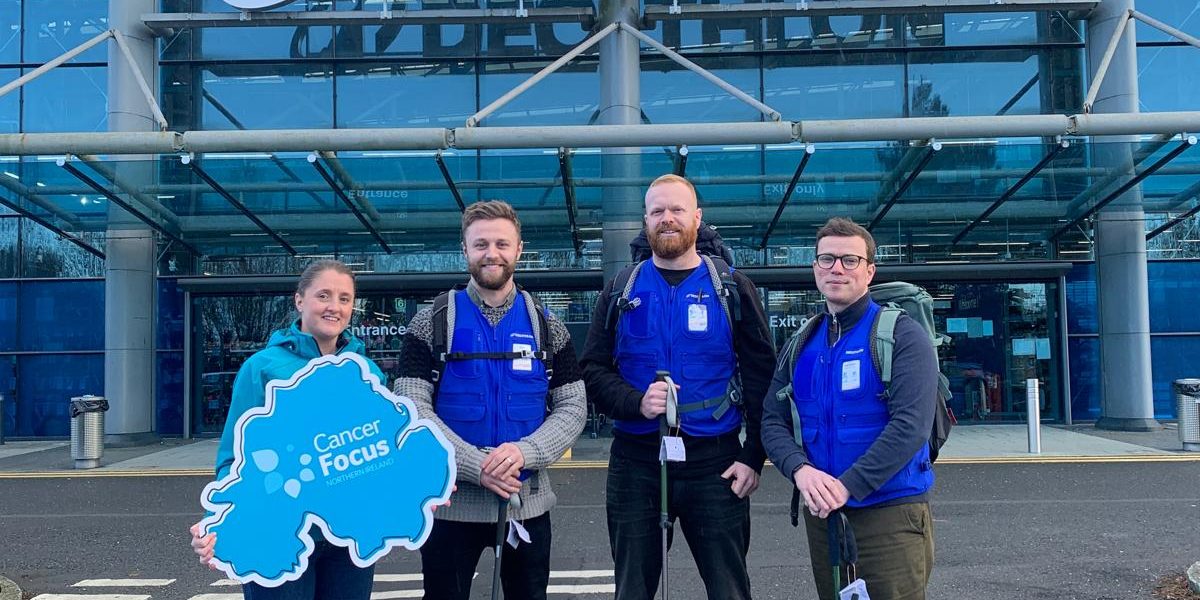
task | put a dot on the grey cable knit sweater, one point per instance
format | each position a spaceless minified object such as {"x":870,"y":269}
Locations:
{"x":472,"y":502}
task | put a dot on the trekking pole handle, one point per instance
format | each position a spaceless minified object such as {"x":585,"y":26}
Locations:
{"x":672,"y":415}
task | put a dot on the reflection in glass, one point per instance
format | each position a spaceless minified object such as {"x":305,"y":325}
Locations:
{"x":567,"y":97}
{"x":274,"y":96}
{"x":46,"y":385}
{"x":973,"y":83}
{"x":84,"y":108}
{"x":398,"y":95}
{"x":168,"y":393}
{"x":1173,"y":357}
{"x":61,"y":316}
{"x":842,"y":87}
{"x":10,"y":34}
{"x":44,"y":254}
{"x":8,"y":321}
{"x":54,"y":27}
{"x":8,"y":246}
{"x":1168,"y":78}
{"x":10,"y":104}
{"x":673,"y":94}
{"x":837,"y":32}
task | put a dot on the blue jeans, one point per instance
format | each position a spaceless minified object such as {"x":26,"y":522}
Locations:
{"x":331,"y":575}
{"x":715,"y":522}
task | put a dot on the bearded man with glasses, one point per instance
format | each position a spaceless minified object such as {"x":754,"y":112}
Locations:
{"x":865,"y":452}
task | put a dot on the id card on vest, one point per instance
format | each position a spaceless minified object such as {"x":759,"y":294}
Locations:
{"x":523,"y":364}
{"x":671,"y":449}
{"x":697,"y":318}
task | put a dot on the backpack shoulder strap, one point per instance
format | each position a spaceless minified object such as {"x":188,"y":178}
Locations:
{"x":787,"y":360}
{"x":540,"y":320}
{"x":442,"y":320}
{"x":883,"y":341}
{"x":727,"y":289}
{"x":618,"y":298}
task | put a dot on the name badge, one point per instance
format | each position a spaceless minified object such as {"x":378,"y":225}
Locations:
{"x":697,"y":317}
{"x":851,"y":370}
{"x":522,"y":364}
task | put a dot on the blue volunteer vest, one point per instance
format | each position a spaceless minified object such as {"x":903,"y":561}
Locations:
{"x":684,"y":330}
{"x":842,"y":407}
{"x":491,"y":401}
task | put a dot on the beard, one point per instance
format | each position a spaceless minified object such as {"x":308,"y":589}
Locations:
{"x":490,"y":281}
{"x":671,"y":247}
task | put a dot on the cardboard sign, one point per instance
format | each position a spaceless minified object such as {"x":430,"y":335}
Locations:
{"x":331,"y":448}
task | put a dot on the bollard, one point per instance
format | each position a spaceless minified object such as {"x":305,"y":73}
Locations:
{"x":1187,"y":405}
{"x":1033,"y":410}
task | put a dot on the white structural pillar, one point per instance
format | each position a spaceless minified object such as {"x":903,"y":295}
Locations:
{"x":620,"y":104}
{"x":1127,"y":401}
{"x":129,"y":271}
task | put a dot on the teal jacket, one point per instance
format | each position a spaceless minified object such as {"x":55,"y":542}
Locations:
{"x":287,"y":351}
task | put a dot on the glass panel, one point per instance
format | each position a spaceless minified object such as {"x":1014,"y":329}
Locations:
{"x":1082,"y":302}
{"x":408,"y":40}
{"x":8,"y":319}
{"x":10,"y":33}
{"x":567,"y":97}
{"x":841,"y":86}
{"x":10,"y":103}
{"x":52,"y":28}
{"x":536,"y":39}
{"x":168,"y":329}
{"x":8,"y":246}
{"x":398,"y":95}
{"x":46,"y":384}
{"x":85,"y":108}
{"x":972,"y":29}
{"x":1172,"y":357}
{"x":44,"y":254}
{"x":1174,"y":287}
{"x":974,"y":83}
{"x":168,"y":393}
{"x":273,"y":96}
{"x":834,"y":33}
{"x":673,"y":94}
{"x":1184,"y":16}
{"x":1085,"y":377}
{"x":62,"y":315}
{"x":1168,"y":77}
{"x":8,"y":389}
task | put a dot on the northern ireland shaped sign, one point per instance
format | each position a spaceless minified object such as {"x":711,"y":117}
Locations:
{"x":331,"y":448}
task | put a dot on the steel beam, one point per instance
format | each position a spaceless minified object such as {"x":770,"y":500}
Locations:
{"x":337,"y":191}
{"x":809,"y":150}
{"x":1139,"y":155}
{"x":1010,"y":192}
{"x":348,"y":182}
{"x":1188,"y":142}
{"x":607,"y":136}
{"x":564,"y":169}
{"x":1167,"y":29}
{"x":161,"y":22}
{"x":59,"y":60}
{"x":930,"y":150}
{"x":462,"y":207}
{"x":212,"y":183}
{"x":42,"y":202}
{"x":129,"y":208}
{"x":129,"y":189}
{"x":680,"y":160}
{"x":13,"y":206}
{"x":826,"y":8}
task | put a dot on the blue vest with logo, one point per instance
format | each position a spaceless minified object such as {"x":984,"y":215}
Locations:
{"x":842,"y":405}
{"x":491,"y":401}
{"x":684,"y":330}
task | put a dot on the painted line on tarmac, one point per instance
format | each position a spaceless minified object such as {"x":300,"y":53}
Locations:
{"x":91,"y":597}
{"x":124,"y":583}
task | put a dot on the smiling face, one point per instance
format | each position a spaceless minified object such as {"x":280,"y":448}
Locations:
{"x":672,"y":220}
{"x":492,"y":247}
{"x":841,"y":286}
{"x":325,"y":307}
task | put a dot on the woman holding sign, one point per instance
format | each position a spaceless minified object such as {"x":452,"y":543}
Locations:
{"x":325,"y":301}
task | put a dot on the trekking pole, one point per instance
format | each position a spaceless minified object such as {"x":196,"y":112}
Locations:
{"x":665,"y":423}
{"x":514,"y":502}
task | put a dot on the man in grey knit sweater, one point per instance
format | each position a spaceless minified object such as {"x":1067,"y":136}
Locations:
{"x":510,"y":402}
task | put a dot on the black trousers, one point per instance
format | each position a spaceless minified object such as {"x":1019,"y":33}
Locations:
{"x":450,"y":555}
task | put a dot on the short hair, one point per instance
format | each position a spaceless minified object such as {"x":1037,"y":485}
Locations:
{"x":487,"y":210}
{"x":843,"y":227}
{"x":673,"y":178}
{"x":314,"y":269}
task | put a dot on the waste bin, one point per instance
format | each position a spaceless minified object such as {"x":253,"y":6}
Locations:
{"x":87,"y":430}
{"x":1187,"y":404}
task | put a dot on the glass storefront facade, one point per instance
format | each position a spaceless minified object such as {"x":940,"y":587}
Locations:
{"x":401,"y":76}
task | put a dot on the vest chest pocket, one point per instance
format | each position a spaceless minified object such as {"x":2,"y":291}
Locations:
{"x":640,"y":320}
{"x":524,"y":412}
{"x":463,"y":409}
{"x":699,"y":319}
{"x":466,"y":340}
{"x":707,"y":367}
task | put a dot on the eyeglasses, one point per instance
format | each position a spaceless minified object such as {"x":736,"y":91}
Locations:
{"x":849,"y":261}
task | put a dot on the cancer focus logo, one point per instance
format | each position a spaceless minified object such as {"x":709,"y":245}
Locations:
{"x":331,"y":448}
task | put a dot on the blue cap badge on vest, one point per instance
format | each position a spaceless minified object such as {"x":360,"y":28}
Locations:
{"x":331,"y":448}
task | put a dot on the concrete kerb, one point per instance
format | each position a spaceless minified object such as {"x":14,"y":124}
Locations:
{"x":1193,"y":577}
{"x":9,"y":590}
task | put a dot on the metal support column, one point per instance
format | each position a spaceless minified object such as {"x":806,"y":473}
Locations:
{"x":130,"y":292}
{"x":620,"y":104}
{"x":1127,"y":399}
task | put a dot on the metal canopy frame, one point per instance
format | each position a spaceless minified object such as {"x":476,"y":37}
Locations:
{"x":930,"y":149}
{"x":347,"y":181}
{"x":42,"y":202}
{"x":809,"y":150}
{"x":679,"y":160}
{"x":315,"y":161}
{"x":1010,"y":192}
{"x":1180,"y":198}
{"x":120,"y":183}
{"x":162,"y":23}
{"x":568,"y":184}
{"x":1115,"y":41}
{"x":190,"y":161}
{"x":66,"y":165}
{"x":441,"y":163}
{"x":825,"y":8}
{"x":13,"y":206}
{"x":1188,"y":142}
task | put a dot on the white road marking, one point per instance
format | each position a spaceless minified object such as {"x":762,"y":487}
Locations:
{"x":399,"y":594}
{"x":396,"y":577}
{"x":124,"y":583}
{"x":237,"y":596}
{"x":603,"y":588}
{"x":226,"y":582}
{"x":92,"y":597}
{"x":579,"y":574}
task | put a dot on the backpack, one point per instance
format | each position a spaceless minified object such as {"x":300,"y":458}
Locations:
{"x":714,"y":255}
{"x":895,"y":298}
{"x":443,"y":332}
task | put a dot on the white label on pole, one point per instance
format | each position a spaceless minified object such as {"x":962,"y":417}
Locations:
{"x":671,"y":449}
{"x":857,"y":590}
{"x":517,"y":533}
